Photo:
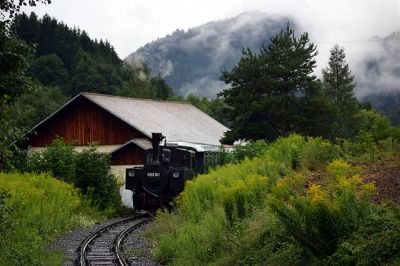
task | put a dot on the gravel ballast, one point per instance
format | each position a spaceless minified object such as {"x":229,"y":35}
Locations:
{"x":135,"y":246}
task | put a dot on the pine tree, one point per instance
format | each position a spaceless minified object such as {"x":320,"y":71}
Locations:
{"x":272,"y":92}
{"x":337,"y":78}
{"x":338,"y":83}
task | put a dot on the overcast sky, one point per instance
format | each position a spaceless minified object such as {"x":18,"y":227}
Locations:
{"x":130,"y":24}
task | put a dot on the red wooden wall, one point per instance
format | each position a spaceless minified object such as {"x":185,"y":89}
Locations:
{"x":128,"y":155}
{"x":82,"y":122}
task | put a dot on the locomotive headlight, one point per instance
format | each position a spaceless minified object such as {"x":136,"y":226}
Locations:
{"x":131,"y":173}
{"x":175,"y":174}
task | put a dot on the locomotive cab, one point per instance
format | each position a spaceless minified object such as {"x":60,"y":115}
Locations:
{"x":162,"y":177}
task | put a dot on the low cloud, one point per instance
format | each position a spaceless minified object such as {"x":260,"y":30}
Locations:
{"x":191,"y":61}
{"x":379,"y":72}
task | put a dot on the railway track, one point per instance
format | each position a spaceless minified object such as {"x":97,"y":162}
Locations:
{"x":104,"y":246}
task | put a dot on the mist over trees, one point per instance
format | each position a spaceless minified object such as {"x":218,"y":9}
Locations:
{"x":379,"y":77}
{"x":190,"y":61}
{"x":274,"y":92}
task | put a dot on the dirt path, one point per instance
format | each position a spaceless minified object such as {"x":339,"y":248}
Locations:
{"x":386,"y":176}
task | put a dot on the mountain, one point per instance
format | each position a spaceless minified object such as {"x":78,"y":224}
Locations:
{"x":191,"y":61}
{"x":379,"y":71}
{"x":378,"y":77}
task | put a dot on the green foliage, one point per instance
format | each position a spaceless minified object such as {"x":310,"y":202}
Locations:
{"x":316,"y":153}
{"x":39,"y":208}
{"x":261,"y":240}
{"x":93,"y":171}
{"x":377,"y":125}
{"x":338,"y":84}
{"x":67,"y":58}
{"x":376,"y":242}
{"x":3,"y":210}
{"x":248,"y":150}
{"x":375,"y":138}
{"x":10,"y":154}
{"x":88,"y":170}
{"x":272,"y":93}
{"x":272,"y":210}
{"x":387,"y":103}
{"x":15,"y":58}
{"x":29,"y":109}
{"x":322,"y":215}
{"x":337,"y":78}
{"x":227,"y":199}
{"x":58,"y":159}
{"x":49,"y":70}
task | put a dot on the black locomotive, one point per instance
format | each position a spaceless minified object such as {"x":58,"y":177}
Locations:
{"x":163,"y":175}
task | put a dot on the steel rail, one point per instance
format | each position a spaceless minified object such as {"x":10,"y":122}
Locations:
{"x":121,"y":258}
{"x":85,"y":243}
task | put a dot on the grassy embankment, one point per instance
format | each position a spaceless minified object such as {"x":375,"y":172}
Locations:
{"x":300,"y":202}
{"x":34,"y":210}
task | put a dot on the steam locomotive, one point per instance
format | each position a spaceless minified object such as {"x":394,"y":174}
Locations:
{"x":163,"y":176}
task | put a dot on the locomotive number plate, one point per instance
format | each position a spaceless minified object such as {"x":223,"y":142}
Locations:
{"x":153,"y":174}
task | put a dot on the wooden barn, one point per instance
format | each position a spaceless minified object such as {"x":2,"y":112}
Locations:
{"x":122,"y":126}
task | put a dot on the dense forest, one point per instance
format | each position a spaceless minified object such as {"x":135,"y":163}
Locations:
{"x":66,"y":62}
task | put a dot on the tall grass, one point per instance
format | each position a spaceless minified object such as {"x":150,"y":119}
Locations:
{"x":39,"y":208}
{"x":275,"y":209}
{"x":213,"y":207}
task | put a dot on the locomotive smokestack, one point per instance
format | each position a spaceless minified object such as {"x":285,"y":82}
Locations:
{"x":155,"y":139}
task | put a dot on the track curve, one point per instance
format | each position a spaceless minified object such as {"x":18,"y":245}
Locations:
{"x":103,"y":246}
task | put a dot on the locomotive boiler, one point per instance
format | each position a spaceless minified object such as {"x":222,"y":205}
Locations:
{"x":163,"y":175}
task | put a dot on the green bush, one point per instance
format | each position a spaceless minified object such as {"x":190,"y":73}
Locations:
{"x":58,"y":159}
{"x":375,"y":138}
{"x":377,"y":125}
{"x":376,"y":242}
{"x":321,"y":215}
{"x":88,"y":170}
{"x":93,"y":172}
{"x":39,"y":208}
{"x":249,"y":150}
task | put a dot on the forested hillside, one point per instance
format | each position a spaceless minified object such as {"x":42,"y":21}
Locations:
{"x":66,"y":61}
{"x":191,"y":61}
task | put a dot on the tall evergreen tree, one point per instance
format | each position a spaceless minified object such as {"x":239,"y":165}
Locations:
{"x":337,"y":78}
{"x":272,"y":92}
{"x":338,"y":83}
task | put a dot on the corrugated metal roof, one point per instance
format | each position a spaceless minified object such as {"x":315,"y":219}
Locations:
{"x":145,"y":144}
{"x":175,"y":120}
